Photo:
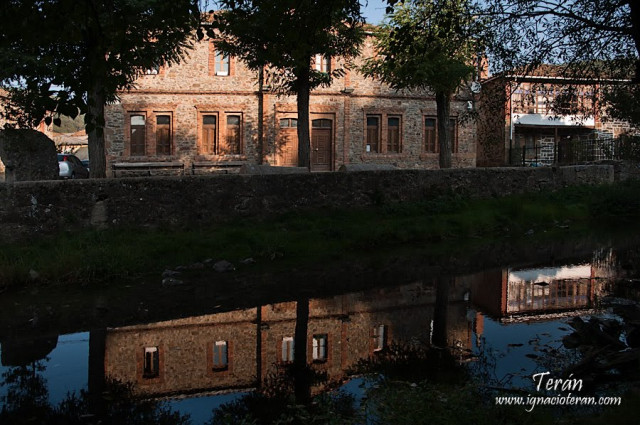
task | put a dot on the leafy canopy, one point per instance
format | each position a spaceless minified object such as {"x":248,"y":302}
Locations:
{"x":286,"y":35}
{"x":426,"y":44}
{"x":54,"y":53}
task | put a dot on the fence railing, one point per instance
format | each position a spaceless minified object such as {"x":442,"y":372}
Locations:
{"x":576,"y":151}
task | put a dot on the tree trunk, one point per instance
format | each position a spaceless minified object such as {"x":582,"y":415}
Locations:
{"x":443,"y":102}
{"x":302,"y":376}
{"x":439,"y":338}
{"x":304,"y":141}
{"x":97,"y":155}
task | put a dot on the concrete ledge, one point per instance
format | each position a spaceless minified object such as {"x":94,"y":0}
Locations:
{"x":269,"y":169}
{"x":349,"y":168}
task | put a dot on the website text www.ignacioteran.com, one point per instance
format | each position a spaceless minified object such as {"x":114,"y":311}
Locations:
{"x":569,"y":394}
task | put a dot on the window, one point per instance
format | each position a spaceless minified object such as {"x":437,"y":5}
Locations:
{"x":287,"y":349}
{"x":163,"y":134}
{"x":430,"y":132}
{"x":320,"y":348}
{"x":383,"y":132}
{"x":379,"y":337}
{"x":209,"y":123}
{"x":289,"y":123}
{"x":431,"y":143}
{"x":233,"y":136}
{"x":151,"y":362}
{"x":220,"y":355}
{"x":393,"y":134}
{"x":221,"y":64}
{"x":322,"y":63}
{"x":373,"y":133}
{"x":138,"y":135}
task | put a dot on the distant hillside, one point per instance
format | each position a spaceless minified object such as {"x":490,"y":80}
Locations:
{"x":68,"y":125}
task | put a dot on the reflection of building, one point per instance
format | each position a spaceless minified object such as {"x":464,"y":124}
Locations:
{"x":502,"y":293}
{"x":239,"y":349}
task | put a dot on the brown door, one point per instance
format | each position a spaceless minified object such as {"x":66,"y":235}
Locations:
{"x":287,"y":144}
{"x":321,"y":145}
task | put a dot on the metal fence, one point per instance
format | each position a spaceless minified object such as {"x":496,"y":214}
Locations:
{"x":576,"y":151}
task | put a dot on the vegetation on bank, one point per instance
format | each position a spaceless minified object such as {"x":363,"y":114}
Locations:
{"x":442,"y":224}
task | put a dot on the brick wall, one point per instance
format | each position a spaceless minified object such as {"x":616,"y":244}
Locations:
{"x":189,"y":89}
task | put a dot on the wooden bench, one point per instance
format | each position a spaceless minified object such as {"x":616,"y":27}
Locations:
{"x":221,"y":167}
{"x":146,"y":167}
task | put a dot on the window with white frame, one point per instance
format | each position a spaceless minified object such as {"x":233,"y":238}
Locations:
{"x":287,"y":349}
{"x":320,"y":343}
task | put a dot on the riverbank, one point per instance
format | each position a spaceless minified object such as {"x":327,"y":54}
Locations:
{"x":442,"y":226}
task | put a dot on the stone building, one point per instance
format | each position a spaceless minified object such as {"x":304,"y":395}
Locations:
{"x":211,"y":113}
{"x":543,"y":119}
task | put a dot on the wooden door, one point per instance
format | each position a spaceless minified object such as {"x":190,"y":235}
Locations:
{"x":321,"y":145}
{"x":287,"y":144}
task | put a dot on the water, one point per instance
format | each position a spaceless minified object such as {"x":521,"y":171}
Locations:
{"x":507,"y":324}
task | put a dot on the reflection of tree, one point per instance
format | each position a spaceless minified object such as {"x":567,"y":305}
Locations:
{"x":285,"y":393}
{"x":27,"y":394}
{"x":27,"y":402}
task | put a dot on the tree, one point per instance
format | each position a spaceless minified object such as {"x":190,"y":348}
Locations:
{"x":598,"y":40}
{"x":428,"y":45}
{"x":64,"y":57}
{"x":286,"y":36}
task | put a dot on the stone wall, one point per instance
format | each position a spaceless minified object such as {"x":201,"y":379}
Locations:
{"x":47,"y":206}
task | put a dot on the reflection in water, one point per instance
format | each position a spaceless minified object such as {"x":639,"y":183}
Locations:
{"x":238,"y":351}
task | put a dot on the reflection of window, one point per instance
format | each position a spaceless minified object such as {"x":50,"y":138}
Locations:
{"x":151,"y":362}
{"x":379,"y":337}
{"x":289,"y":123}
{"x":137,"y":135}
{"x":287,"y":349}
{"x":163,"y":135}
{"x":233,"y":135}
{"x":221,"y":63}
{"x":320,"y":348}
{"x":220,"y":355}
{"x":373,"y":133}
{"x":322,"y":63}
{"x":393,"y":134}
{"x":209,"y":124}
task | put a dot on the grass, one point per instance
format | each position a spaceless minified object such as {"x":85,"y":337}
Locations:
{"x":304,"y":238}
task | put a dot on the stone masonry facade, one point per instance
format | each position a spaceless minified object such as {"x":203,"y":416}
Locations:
{"x":206,"y":113}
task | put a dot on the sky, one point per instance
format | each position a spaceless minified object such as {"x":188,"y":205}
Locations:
{"x":374,"y":11}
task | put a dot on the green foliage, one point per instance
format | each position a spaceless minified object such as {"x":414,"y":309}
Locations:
{"x":286,"y":36}
{"x":65,"y":57}
{"x":428,"y":45}
{"x":300,"y":239}
{"x":281,"y":38}
{"x":26,"y":403}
